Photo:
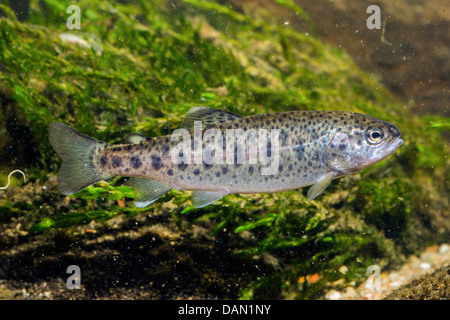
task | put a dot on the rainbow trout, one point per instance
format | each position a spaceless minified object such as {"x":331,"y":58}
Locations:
{"x":217,"y":153}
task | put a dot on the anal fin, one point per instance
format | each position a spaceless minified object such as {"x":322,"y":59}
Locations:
{"x":203,"y":198}
{"x":147,"y":191}
{"x":320,"y":186}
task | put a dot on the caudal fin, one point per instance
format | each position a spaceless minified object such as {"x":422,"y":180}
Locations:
{"x":76,"y":150}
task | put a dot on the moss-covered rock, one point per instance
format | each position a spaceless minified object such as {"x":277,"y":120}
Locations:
{"x":139,"y":66}
{"x":431,"y":286}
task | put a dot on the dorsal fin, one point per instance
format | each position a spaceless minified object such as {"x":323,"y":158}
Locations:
{"x":208,"y":116}
{"x":134,"y":138}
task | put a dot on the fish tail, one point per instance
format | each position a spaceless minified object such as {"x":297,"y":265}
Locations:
{"x":77,"y":151}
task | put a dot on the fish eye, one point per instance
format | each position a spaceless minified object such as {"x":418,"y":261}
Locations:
{"x":374,"y":135}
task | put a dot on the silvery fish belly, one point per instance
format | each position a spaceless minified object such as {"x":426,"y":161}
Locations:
{"x":216,"y":153}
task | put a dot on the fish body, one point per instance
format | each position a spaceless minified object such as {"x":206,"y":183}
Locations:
{"x":217,"y":153}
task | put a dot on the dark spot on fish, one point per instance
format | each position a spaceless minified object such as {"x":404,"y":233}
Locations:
{"x":182,"y":166}
{"x":207,"y":166}
{"x":290,"y":167}
{"x":156,"y":162}
{"x":300,"y":152}
{"x":217,"y":174}
{"x":316,"y":156}
{"x":165,"y":149}
{"x":342,"y":147}
{"x":116,"y":161}
{"x":224,"y":170}
{"x":135,"y":162}
{"x":170,"y":172}
{"x":250,"y":170}
{"x":284,"y":137}
{"x":104,"y":161}
{"x":196,"y":172}
{"x":280,"y":167}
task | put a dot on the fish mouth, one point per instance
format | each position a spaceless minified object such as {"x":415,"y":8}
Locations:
{"x":389,"y":148}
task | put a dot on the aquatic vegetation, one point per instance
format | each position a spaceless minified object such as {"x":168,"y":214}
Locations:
{"x":158,"y":60}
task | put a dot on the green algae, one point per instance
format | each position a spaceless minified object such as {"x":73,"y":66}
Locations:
{"x":147,"y":63}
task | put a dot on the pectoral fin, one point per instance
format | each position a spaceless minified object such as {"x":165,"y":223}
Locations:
{"x":147,"y":191}
{"x":318,"y":188}
{"x":203,"y":198}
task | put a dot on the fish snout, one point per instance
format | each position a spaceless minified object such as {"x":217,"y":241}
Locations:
{"x":394,"y":131}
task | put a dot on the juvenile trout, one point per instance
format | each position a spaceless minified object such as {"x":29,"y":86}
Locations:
{"x":217,"y":153}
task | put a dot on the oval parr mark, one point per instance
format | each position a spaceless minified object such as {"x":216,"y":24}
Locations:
{"x":135,"y":162}
{"x":116,"y":161}
{"x":156,"y":162}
